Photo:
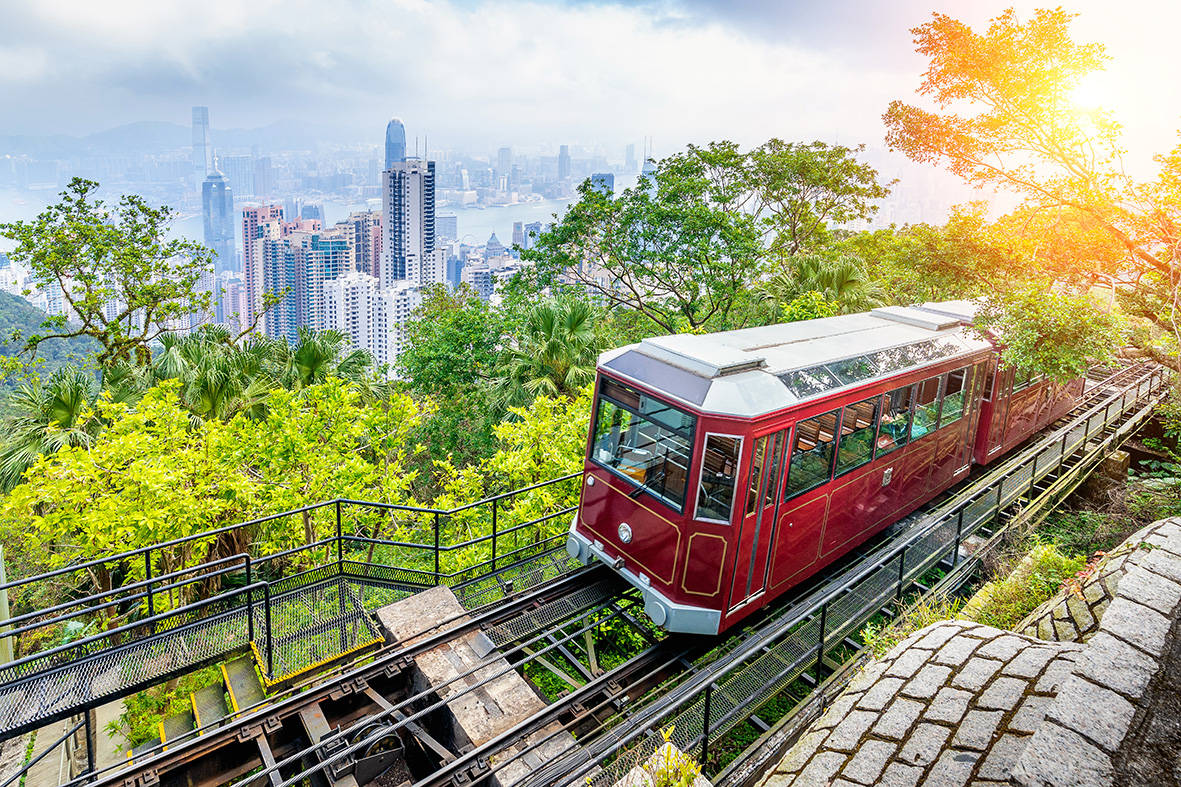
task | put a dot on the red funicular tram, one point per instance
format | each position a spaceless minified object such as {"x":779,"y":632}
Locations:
{"x":723,"y":469}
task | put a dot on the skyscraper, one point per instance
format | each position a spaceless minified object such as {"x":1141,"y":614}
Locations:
{"x":239,"y":171}
{"x":564,"y":162}
{"x":447,"y":226}
{"x":217,"y":211}
{"x":408,"y":220}
{"x":395,"y":143}
{"x":366,"y":229}
{"x":258,"y":222}
{"x":604,"y":183}
{"x":202,"y":149}
{"x":519,"y":234}
{"x":631,"y":158}
{"x":504,"y":162}
{"x":263,"y":184}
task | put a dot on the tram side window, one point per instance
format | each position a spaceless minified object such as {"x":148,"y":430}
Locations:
{"x":777,"y":446}
{"x":858,"y":427}
{"x":719,"y":473}
{"x":895,"y":431}
{"x":953,"y":396}
{"x":758,"y":458}
{"x":651,"y":447}
{"x":926,"y":408}
{"x":811,"y":457}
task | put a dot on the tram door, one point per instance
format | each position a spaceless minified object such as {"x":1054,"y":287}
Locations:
{"x":758,"y":518}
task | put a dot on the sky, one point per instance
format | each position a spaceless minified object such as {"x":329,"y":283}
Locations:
{"x":493,"y":72}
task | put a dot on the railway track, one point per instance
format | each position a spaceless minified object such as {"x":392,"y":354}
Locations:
{"x":355,"y":722}
{"x":726,"y":685}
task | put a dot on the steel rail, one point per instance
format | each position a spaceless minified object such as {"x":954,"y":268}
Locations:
{"x":456,"y":626}
{"x":689,"y":691}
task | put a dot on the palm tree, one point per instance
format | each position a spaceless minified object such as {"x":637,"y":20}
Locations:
{"x":45,"y":418}
{"x":842,"y":280}
{"x":218,"y":378}
{"x":554,"y":355}
{"x":316,"y":356}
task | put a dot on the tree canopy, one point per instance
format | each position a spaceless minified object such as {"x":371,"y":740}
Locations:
{"x":1001,"y":114}
{"x":121,"y":281}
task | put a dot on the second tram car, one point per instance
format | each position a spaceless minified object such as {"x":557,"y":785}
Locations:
{"x":723,"y":469}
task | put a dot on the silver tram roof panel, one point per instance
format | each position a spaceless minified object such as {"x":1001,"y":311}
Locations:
{"x":753,"y":371}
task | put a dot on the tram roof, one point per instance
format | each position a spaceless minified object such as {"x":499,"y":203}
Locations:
{"x":753,"y":371}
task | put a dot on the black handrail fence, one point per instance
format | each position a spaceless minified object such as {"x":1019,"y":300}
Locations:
{"x":409,"y":547}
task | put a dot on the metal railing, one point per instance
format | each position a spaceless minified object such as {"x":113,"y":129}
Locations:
{"x":109,"y":641}
{"x":725,"y":691}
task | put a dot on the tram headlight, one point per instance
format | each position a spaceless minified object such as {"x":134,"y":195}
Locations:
{"x":625,"y":532}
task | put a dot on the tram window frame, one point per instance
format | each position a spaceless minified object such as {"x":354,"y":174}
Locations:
{"x":906,"y":410}
{"x":775,"y":478}
{"x":697,"y":505}
{"x":788,"y":492}
{"x":936,"y":402}
{"x":630,"y":400}
{"x":758,"y":460}
{"x":965,"y":387}
{"x":990,"y":378}
{"x":872,"y":429}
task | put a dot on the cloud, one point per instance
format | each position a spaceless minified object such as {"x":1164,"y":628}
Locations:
{"x":501,"y":71}
{"x":509,"y":71}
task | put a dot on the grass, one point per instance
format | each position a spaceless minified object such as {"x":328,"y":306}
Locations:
{"x":882,"y":634}
{"x":1003,"y":603}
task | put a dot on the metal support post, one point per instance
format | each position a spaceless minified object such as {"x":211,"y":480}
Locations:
{"x":959,"y":532}
{"x":901,"y":574}
{"x":339,"y":542}
{"x":820,"y":644}
{"x":436,"y":549}
{"x":270,"y":637}
{"x":151,"y":595}
{"x":709,"y":690}
{"x":494,"y":535}
{"x":89,"y":732}
{"x":249,"y":602}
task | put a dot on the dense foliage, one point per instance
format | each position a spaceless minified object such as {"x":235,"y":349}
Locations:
{"x":122,"y":282}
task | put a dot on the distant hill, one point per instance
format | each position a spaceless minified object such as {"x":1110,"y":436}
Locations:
{"x":17,"y":313}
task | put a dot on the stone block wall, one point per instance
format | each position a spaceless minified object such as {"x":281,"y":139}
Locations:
{"x":960,"y":703}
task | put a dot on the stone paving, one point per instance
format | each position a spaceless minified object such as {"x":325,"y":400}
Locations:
{"x":961,"y":703}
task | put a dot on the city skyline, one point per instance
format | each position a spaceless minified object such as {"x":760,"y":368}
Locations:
{"x":802,"y":73}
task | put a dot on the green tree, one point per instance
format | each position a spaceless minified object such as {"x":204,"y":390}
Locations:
{"x":315,"y":357}
{"x":808,"y":306}
{"x":1001,"y":115}
{"x":923,"y":262}
{"x":452,"y":342}
{"x":554,"y":354}
{"x":46,"y":417}
{"x":122,"y":282}
{"x":668,"y":247}
{"x":155,"y":474}
{"x":1056,"y":333}
{"x":801,"y":190}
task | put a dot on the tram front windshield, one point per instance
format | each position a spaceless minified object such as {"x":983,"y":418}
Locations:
{"x":644,"y":439}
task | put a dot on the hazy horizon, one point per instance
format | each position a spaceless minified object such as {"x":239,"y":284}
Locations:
{"x":468,"y":74}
